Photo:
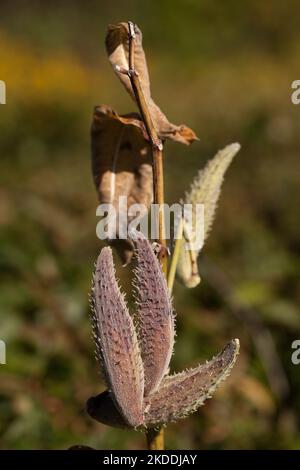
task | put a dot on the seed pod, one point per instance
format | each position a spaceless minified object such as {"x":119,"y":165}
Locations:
{"x":154,"y":314}
{"x":205,"y":190}
{"x":116,"y":342}
{"x":182,"y":394}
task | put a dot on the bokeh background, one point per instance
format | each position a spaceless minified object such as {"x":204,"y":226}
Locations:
{"x":223,"y":68}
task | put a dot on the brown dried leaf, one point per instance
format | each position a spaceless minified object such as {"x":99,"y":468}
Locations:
{"x":117,"y":347}
{"x":121,"y":164}
{"x":102,"y":409}
{"x":155,"y":315}
{"x":181,"y":394}
{"x":117,"y":46}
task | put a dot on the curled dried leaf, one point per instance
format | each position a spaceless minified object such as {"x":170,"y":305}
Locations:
{"x":103,"y":409}
{"x":122,"y":166}
{"x":117,"y":46}
{"x":205,"y":190}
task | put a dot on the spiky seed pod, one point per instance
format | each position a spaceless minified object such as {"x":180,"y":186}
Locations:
{"x":116,"y":341}
{"x":178,"y":395}
{"x":182,"y":394}
{"x":205,"y":190}
{"x":154,"y":314}
{"x":172,"y":397}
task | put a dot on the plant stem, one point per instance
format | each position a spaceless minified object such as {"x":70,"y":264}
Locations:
{"x":155,"y":439}
{"x":175,"y":256}
{"x":158,"y":189}
{"x":138,"y":92}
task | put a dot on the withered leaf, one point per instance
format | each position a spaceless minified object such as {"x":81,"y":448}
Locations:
{"x":117,"y":46}
{"x":103,"y":409}
{"x":183,"y":393}
{"x":121,"y":165}
{"x":155,"y":315}
{"x":117,"y":347}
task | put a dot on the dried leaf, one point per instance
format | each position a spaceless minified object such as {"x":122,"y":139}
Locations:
{"x":102,"y":409}
{"x":182,"y":394}
{"x":205,"y":190}
{"x":116,"y":342}
{"x":117,"y":46}
{"x":121,"y":165}
{"x":155,"y":315}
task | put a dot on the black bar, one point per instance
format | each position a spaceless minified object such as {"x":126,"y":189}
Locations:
{"x":85,"y":458}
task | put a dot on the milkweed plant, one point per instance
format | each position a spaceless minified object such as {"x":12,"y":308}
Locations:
{"x":134,"y":350}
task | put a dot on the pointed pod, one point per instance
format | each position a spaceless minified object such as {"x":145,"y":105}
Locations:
{"x":154,"y":314}
{"x":205,"y":190}
{"x":117,"y":346}
{"x":181,"y":394}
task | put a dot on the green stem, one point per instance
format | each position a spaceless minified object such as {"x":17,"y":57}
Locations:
{"x":175,"y":256}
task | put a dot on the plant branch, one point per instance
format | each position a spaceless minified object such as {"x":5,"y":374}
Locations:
{"x":138,"y":92}
{"x":156,"y":146}
{"x":175,"y":255}
{"x":155,"y":439}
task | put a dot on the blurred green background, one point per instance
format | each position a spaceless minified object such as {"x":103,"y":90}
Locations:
{"x":223,"y":68}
